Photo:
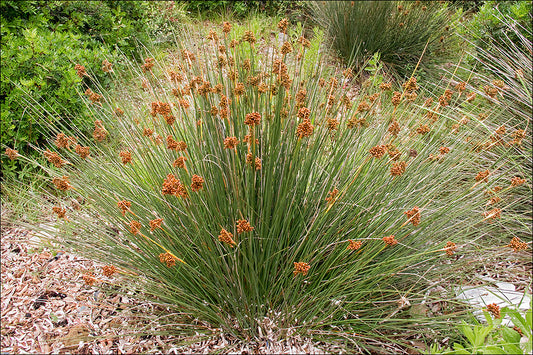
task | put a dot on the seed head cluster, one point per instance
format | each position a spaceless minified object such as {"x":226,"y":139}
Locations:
{"x":413,"y":216}
{"x":301,"y":268}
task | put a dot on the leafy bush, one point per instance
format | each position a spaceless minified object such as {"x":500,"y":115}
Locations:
{"x":399,"y":31}
{"x":250,"y":194}
{"x":487,"y":29}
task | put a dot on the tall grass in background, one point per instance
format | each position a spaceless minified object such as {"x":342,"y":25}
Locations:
{"x":501,"y":77}
{"x":249,"y":193}
{"x":398,"y":30}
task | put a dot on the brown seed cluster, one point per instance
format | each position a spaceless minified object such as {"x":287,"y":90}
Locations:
{"x":378,"y":151}
{"x":301,"y":268}
{"x":80,"y":70}
{"x":180,"y":162}
{"x":53,"y":158}
{"x":168,"y":259}
{"x":62,"y":183}
{"x":396,"y":98}
{"x":333,"y":124}
{"x":283,"y":24}
{"x":286,"y":48}
{"x":109,"y":270}
{"x":394,"y":128}
{"x":390,"y":240}
{"x":62,"y":141}
{"x":12,"y":154}
{"x":99,"y":132}
{"x":226,"y":237}
{"x":494,"y":309}
{"x":493,"y":214}
{"x":197,"y":183}
{"x":243,"y":226}
{"x":423,"y":129}
{"x":226,"y":27}
{"x":483,"y":176}
{"x":94,"y":97}
{"x":517,"y":181}
{"x":304,"y":113}
{"x":155,"y":224}
{"x":125,"y":156}
{"x":59,"y":211}
{"x":252,"y":119}
{"x":83,"y":152}
{"x":385,"y":86}
{"x":450,"y":248}
{"x":173,"y":186}
{"x":444,"y":150}
{"x":148,"y":64}
{"x":124,"y":206}
{"x":331,"y":195}
{"x":230,"y":142}
{"x":107,"y":67}
{"x":413,"y":216}
{"x":305,"y":128}
{"x":135,"y":227}
{"x":89,"y":279}
{"x":354,"y":244}
{"x":516,"y":244}
{"x":175,"y":145}
{"x":249,"y":37}
{"x":398,"y":168}
{"x":518,"y":136}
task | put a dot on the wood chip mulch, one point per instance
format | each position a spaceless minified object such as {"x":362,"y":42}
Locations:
{"x":46,"y":307}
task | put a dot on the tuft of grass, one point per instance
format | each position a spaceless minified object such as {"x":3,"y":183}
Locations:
{"x":240,"y":189}
{"x":400,"y":31}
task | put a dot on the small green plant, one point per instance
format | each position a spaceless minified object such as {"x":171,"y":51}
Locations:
{"x":495,"y":338}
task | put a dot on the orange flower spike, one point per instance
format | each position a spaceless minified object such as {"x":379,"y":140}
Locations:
{"x":109,"y":270}
{"x":413,"y":216}
{"x":11,"y":153}
{"x":301,"y":268}
{"x":354,"y":244}
{"x":517,"y":245}
{"x":450,"y":248}
{"x":390,"y":240}
{"x":155,"y":223}
{"x":494,"y":309}
{"x":244,"y":226}
{"x":226,"y":237}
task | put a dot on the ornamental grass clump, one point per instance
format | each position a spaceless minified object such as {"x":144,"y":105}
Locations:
{"x":398,"y":30}
{"x":282,"y":197}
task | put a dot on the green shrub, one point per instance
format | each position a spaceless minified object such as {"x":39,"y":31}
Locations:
{"x":252,"y":195}
{"x":495,"y":338}
{"x":42,"y":41}
{"x":398,"y":31}
{"x":487,"y":29}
